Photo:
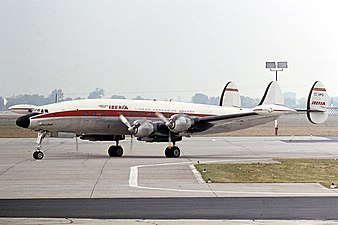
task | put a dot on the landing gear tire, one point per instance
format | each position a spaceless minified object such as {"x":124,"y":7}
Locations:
{"x":115,"y":151}
{"x":38,"y":155}
{"x":172,"y":152}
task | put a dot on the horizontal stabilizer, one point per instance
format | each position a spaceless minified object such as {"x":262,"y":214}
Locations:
{"x":273,"y":95}
{"x":22,"y":108}
{"x":230,"y":96}
{"x":317,"y":103}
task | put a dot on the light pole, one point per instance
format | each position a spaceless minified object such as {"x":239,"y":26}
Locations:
{"x":280,"y":66}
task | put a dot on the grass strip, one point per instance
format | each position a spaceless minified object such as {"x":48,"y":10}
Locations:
{"x":323,"y":171}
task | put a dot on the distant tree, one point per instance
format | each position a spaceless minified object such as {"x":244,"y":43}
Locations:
{"x":78,"y":98}
{"x":58,"y":93}
{"x":290,"y":99}
{"x":27,"y":99}
{"x":117,"y":97}
{"x":97,"y":93}
{"x":138,"y":98}
{"x":302,"y":103}
{"x":2,"y":104}
{"x":291,"y":95}
{"x":67,"y":99}
{"x":213,"y":101}
{"x":334,"y":101}
{"x":200,"y":98}
{"x":247,"y":102}
{"x":290,"y":102}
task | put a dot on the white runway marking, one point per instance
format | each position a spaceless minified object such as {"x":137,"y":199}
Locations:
{"x":133,"y":178}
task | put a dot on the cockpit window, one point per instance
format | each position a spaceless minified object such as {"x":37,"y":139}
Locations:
{"x":40,"y":110}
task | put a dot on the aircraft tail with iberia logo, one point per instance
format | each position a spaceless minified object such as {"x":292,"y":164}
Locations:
{"x":317,"y":103}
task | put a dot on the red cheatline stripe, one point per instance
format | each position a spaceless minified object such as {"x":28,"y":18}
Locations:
{"x":110,"y":113}
{"x":319,"y":89}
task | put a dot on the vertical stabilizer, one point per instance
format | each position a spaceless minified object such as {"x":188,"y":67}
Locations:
{"x":273,"y":95}
{"x":230,"y":96}
{"x":317,"y":103}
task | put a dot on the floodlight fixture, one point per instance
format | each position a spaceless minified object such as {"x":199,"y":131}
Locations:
{"x":275,"y":67}
{"x":282,"y":65}
{"x":270,"y":65}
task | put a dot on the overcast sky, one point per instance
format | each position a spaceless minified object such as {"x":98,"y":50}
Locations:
{"x":165,"y":49}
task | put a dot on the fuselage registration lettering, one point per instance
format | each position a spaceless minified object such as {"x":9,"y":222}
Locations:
{"x":318,"y":94}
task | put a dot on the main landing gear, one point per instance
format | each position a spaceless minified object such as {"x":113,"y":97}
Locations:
{"x":172,"y":152}
{"x":115,"y":150}
{"x":38,"y":154}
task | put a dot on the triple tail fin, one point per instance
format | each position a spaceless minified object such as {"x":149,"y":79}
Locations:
{"x":272,"y":102}
{"x":230,"y":96}
{"x":317,"y":103}
{"x":273,"y":95}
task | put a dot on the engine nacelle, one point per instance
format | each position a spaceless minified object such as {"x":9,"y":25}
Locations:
{"x":142,"y":128}
{"x":180,"y":123}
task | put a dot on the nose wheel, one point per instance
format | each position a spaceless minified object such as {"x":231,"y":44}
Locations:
{"x":38,"y":154}
{"x":172,"y":152}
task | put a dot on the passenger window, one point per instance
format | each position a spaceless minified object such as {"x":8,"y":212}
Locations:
{"x":101,"y":113}
{"x":94,"y":113}
{"x":86,"y":113}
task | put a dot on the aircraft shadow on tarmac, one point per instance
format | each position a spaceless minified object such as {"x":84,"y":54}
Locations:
{"x":84,"y":156}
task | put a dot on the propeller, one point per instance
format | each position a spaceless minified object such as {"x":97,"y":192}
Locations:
{"x":76,"y":143}
{"x":169,"y":123}
{"x":125,"y":121}
{"x":131,"y":128}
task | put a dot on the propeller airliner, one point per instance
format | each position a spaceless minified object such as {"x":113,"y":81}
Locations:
{"x":161,"y":121}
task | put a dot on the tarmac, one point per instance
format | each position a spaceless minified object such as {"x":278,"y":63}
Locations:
{"x":85,"y":171}
{"x":143,"y":171}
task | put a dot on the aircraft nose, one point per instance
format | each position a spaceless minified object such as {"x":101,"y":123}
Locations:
{"x":23,"y":121}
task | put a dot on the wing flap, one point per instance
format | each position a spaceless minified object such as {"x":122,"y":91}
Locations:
{"x":232,"y":122}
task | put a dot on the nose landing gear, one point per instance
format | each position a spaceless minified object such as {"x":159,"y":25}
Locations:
{"x":38,"y":154}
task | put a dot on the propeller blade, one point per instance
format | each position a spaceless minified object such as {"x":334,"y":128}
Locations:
{"x":131,"y":143}
{"x":162,"y":117}
{"x":125,"y":121}
{"x":167,"y":122}
{"x":77,"y":143}
{"x":131,"y":128}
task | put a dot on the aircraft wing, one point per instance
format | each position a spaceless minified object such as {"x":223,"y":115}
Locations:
{"x":232,"y":122}
{"x":229,"y":118}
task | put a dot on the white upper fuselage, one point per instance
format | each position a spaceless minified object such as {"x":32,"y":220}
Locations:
{"x":124,"y":105}
{"x":101,"y":116}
